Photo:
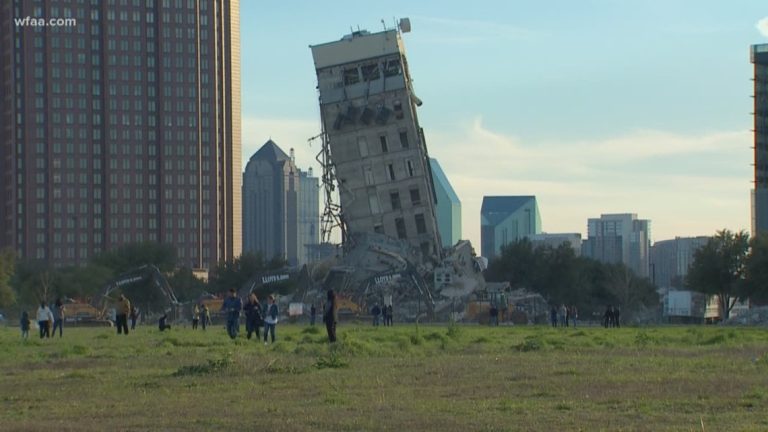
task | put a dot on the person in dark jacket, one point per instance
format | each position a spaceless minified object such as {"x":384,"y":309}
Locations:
{"x":134,"y":317}
{"x":253,"y":318}
{"x":376,"y":312}
{"x":161,"y":323}
{"x":330,"y":316}
{"x":312,"y":314}
{"x":388,"y":315}
{"x":25,"y":323}
{"x":232,"y":306}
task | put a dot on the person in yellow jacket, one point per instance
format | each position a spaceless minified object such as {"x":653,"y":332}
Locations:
{"x":123,"y":310}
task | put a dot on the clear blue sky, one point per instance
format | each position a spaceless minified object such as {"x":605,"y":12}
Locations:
{"x":593,"y":106}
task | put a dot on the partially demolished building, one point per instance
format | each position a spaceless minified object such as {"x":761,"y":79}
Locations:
{"x":375,"y":155}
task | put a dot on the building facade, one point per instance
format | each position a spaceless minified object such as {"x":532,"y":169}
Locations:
{"x":122,"y":128}
{"x":448,"y":206}
{"x":507,"y":219}
{"x":309,"y":216}
{"x":620,"y":238}
{"x":379,"y":153}
{"x":671,"y":259}
{"x":555,"y":240}
{"x":759,"y":57}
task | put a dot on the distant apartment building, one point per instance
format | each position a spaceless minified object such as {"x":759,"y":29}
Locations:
{"x":620,"y":238}
{"x":122,"y":128}
{"x":505,"y":220}
{"x":280,"y":206}
{"x":448,"y":206}
{"x":555,"y":240}
{"x":670,"y":261}
{"x":759,"y":57}
{"x":377,"y":148}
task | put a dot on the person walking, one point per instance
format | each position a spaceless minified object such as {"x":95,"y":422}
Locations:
{"x":270,"y":321}
{"x":232,"y":306}
{"x":312,"y":314}
{"x":553,"y":316}
{"x":574,"y":315}
{"x":44,"y":317}
{"x":134,"y":317}
{"x":58,"y":317}
{"x":195,"y":317}
{"x":253,"y":319}
{"x":123,"y":310}
{"x":330,"y":316}
{"x":388,"y":309}
{"x":24,"y":323}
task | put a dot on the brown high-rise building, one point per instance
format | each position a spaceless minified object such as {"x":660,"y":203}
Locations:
{"x":121,"y":128}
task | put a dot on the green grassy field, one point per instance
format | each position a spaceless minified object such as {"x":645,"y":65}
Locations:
{"x":405,"y":378}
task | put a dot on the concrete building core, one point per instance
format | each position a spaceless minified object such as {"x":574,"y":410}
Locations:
{"x":759,"y":57}
{"x":380,"y":158}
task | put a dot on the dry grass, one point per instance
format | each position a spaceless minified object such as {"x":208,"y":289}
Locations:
{"x":401,"y":378}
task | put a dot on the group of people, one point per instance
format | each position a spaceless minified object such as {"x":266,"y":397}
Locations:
{"x":611,"y":317}
{"x":384,"y":312}
{"x":563,"y":316}
{"x":201,"y":315}
{"x":49,"y":319}
{"x":255,"y":316}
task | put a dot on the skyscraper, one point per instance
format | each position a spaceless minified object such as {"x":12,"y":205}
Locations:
{"x":507,"y":219}
{"x":122,"y":128}
{"x":619,"y":238}
{"x":448,"y":206}
{"x":270,"y":204}
{"x":379,"y":153}
{"x":281,"y":211}
{"x":759,"y":57}
{"x":309,"y":216}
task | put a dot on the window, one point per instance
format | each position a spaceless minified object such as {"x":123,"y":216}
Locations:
{"x":409,"y":167}
{"x":392,"y":68}
{"x":415,"y":197}
{"x":351,"y":76}
{"x":404,"y":139}
{"x":394,"y":198}
{"x":421,"y":224}
{"x":362,"y":143}
{"x":400,"y":227}
{"x":378,"y":229}
{"x":373,"y":201}
{"x":370,"y":72}
{"x":391,"y":171}
{"x":383,"y":141}
{"x":368,"y":175}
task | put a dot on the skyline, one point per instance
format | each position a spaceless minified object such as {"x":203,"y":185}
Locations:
{"x":650,"y":114}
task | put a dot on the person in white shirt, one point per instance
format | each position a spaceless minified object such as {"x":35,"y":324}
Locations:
{"x":44,"y":320}
{"x":270,"y":320}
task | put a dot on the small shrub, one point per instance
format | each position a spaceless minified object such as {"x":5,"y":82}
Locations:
{"x":311,"y":330}
{"x":454,"y":331}
{"x":416,"y":339}
{"x":213,"y":366}
{"x":531,"y":343}
{"x":332,"y":361}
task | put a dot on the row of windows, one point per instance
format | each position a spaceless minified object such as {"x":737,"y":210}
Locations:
{"x":362,"y":143}
{"x":394,"y":200}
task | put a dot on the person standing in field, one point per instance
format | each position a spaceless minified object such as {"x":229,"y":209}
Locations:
{"x":388,"y":310}
{"x":24,"y":322}
{"x":205,"y":315}
{"x":123,"y":310}
{"x":44,"y":316}
{"x":134,"y":317}
{"x":553,"y":316}
{"x":574,"y":315}
{"x":616,"y":314}
{"x":376,"y":311}
{"x":195,"y":317}
{"x":330,"y":316}
{"x":58,"y":317}
{"x":232,"y":306}
{"x":312,"y":314}
{"x":270,"y":321}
